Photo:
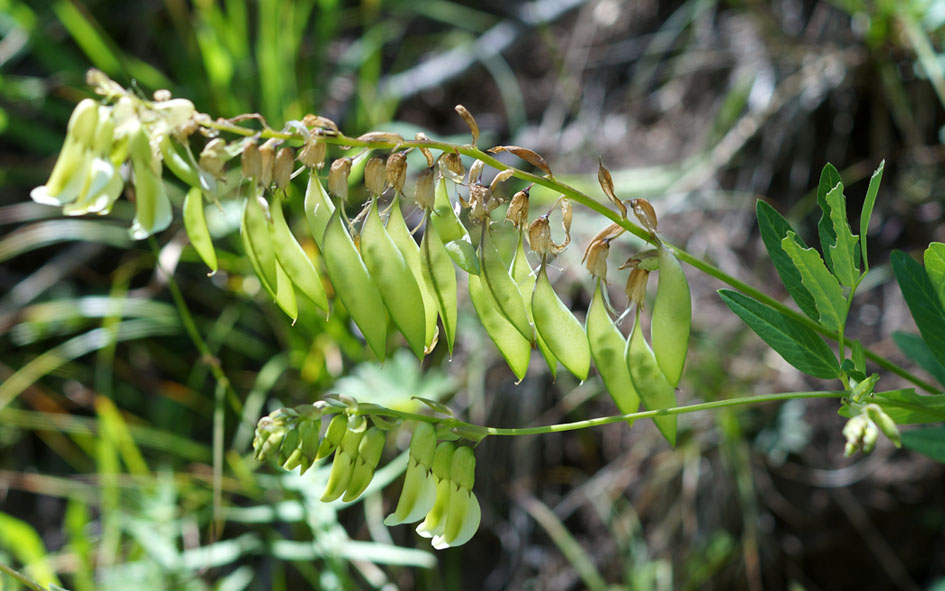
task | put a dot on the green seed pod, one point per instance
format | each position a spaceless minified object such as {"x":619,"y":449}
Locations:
{"x":213,"y":156}
{"x":172,"y":153}
{"x":369,"y":454}
{"x":354,"y":286}
{"x":282,"y":292}
{"x":342,"y":467}
{"x":196,"y":225}
{"x":440,"y":276}
{"x":400,"y":234}
{"x":608,"y":348}
{"x":333,"y":435}
{"x":318,"y":208}
{"x":396,"y":282}
{"x":503,"y":288}
{"x":292,"y":258}
{"x":455,"y":238}
{"x":672,"y":318}
{"x":514,"y":347}
{"x":559,"y":329}
{"x":655,"y":391}
{"x":521,"y":271}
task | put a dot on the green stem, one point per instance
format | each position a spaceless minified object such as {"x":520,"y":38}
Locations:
{"x":23,"y":579}
{"x":591,"y":203}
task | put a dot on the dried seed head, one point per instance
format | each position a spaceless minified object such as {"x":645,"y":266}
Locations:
{"x":479,"y":203}
{"x":607,"y":184}
{"x":338,"y":178}
{"x":451,"y":166}
{"x":636,"y":286}
{"x":282,"y":169}
{"x":425,"y":196}
{"x":213,"y":156}
{"x":470,"y":121}
{"x":526,"y":154}
{"x":375,"y":177}
{"x":596,"y":258}
{"x":645,"y":213}
{"x":319,"y":121}
{"x":267,"y":156}
{"x":397,"y":170}
{"x":517,"y":212}
{"x":381,"y":136}
{"x":425,"y":151}
{"x":475,"y":172}
{"x":251,"y":160}
{"x":500,"y":178}
{"x":539,"y":237}
{"x":313,"y":153}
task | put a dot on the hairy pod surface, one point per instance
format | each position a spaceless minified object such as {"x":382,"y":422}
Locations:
{"x":394,"y":279}
{"x":195,"y":223}
{"x":400,"y":234}
{"x":354,"y":286}
{"x":455,"y":238}
{"x":292,"y":258}
{"x":608,"y":349}
{"x":559,"y":328}
{"x":654,"y":389}
{"x":440,"y":276}
{"x":672,"y":318}
{"x":505,"y":292}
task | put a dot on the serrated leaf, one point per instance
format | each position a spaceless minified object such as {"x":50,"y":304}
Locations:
{"x":924,"y":304}
{"x":929,"y":442}
{"x":797,"y":344}
{"x":906,"y":407}
{"x":916,"y":350}
{"x":823,"y":287}
{"x":829,"y":178}
{"x":935,"y":268}
{"x":846,"y":264}
{"x":867,"y":212}
{"x":774,"y":228}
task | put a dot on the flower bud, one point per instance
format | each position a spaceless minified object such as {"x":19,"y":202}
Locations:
{"x":885,"y":423}
{"x":517,"y":213}
{"x":313,"y":154}
{"x":419,"y":491}
{"x":282,"y":168}
{"x":397,"y":170}
{"x":342,"y":467}
{"x":425,"y":195}
{"x":463,"y":513}
{"x":338,"y":178}
{"x":289,"y":443}
{"x":435,"y":521}
{"x":375,"y":177}
{"x":369,"y":454}
{"x":333,"y":435}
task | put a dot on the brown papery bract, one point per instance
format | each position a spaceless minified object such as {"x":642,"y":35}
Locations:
{"x":517,"y":213}
{"x":397,"y":170}
{"x":282,"y":169}
{"x":470,"y":121}
{"x":375,"y":176}
{"x":424,"y":195}
{"x":526,"y":154}
{"x":338,"y":178}
{"x":251,"y":161}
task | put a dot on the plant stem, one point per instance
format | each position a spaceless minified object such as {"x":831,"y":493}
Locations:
{"x":591,"y":203}
{"x":23,"y":579}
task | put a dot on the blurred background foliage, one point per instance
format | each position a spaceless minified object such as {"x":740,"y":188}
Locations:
{"x":124,"y":459}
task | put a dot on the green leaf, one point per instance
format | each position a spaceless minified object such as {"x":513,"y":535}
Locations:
{"x":799,"y":345}
{"x":935,"y":267}
{"x":829,"y":178}
{"x":774,"y":228}
{"x":824,"y":287}
{"x":867,"y":212}
{"x":929,"y":442}
{"x":923,"y":302}
{"x":19,"y":539}
{"x":843,"y":253}
{"x":906,"y":407}
{"x":916,"y":350}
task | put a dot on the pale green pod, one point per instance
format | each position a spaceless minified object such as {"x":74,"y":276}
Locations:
{"x":256,"y":228}
{"x":152,"y":207}
{"x":654,"y":390}
{"x":178,"y":163}
{"x":333,"y":435}
{"x":672,"y":318}
{"x":440,"y":276}
{"x":354,"y":286}
{"x":559,"y":328}
{"x":292,"y":258}
{"x":318,"y":208}
{"x":394,"y":279}
{"x":195,"y":223}
{"x":608,"y":349}
{"x":400,"y":234}
{"x":452,"y":232}
{"x":524,"y":277}
{"x":514,"y":347}
{"x":258,"y":246}
{"x":504,"y":291}
{"x":342,"y":467}
{"x":369,"y":454}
